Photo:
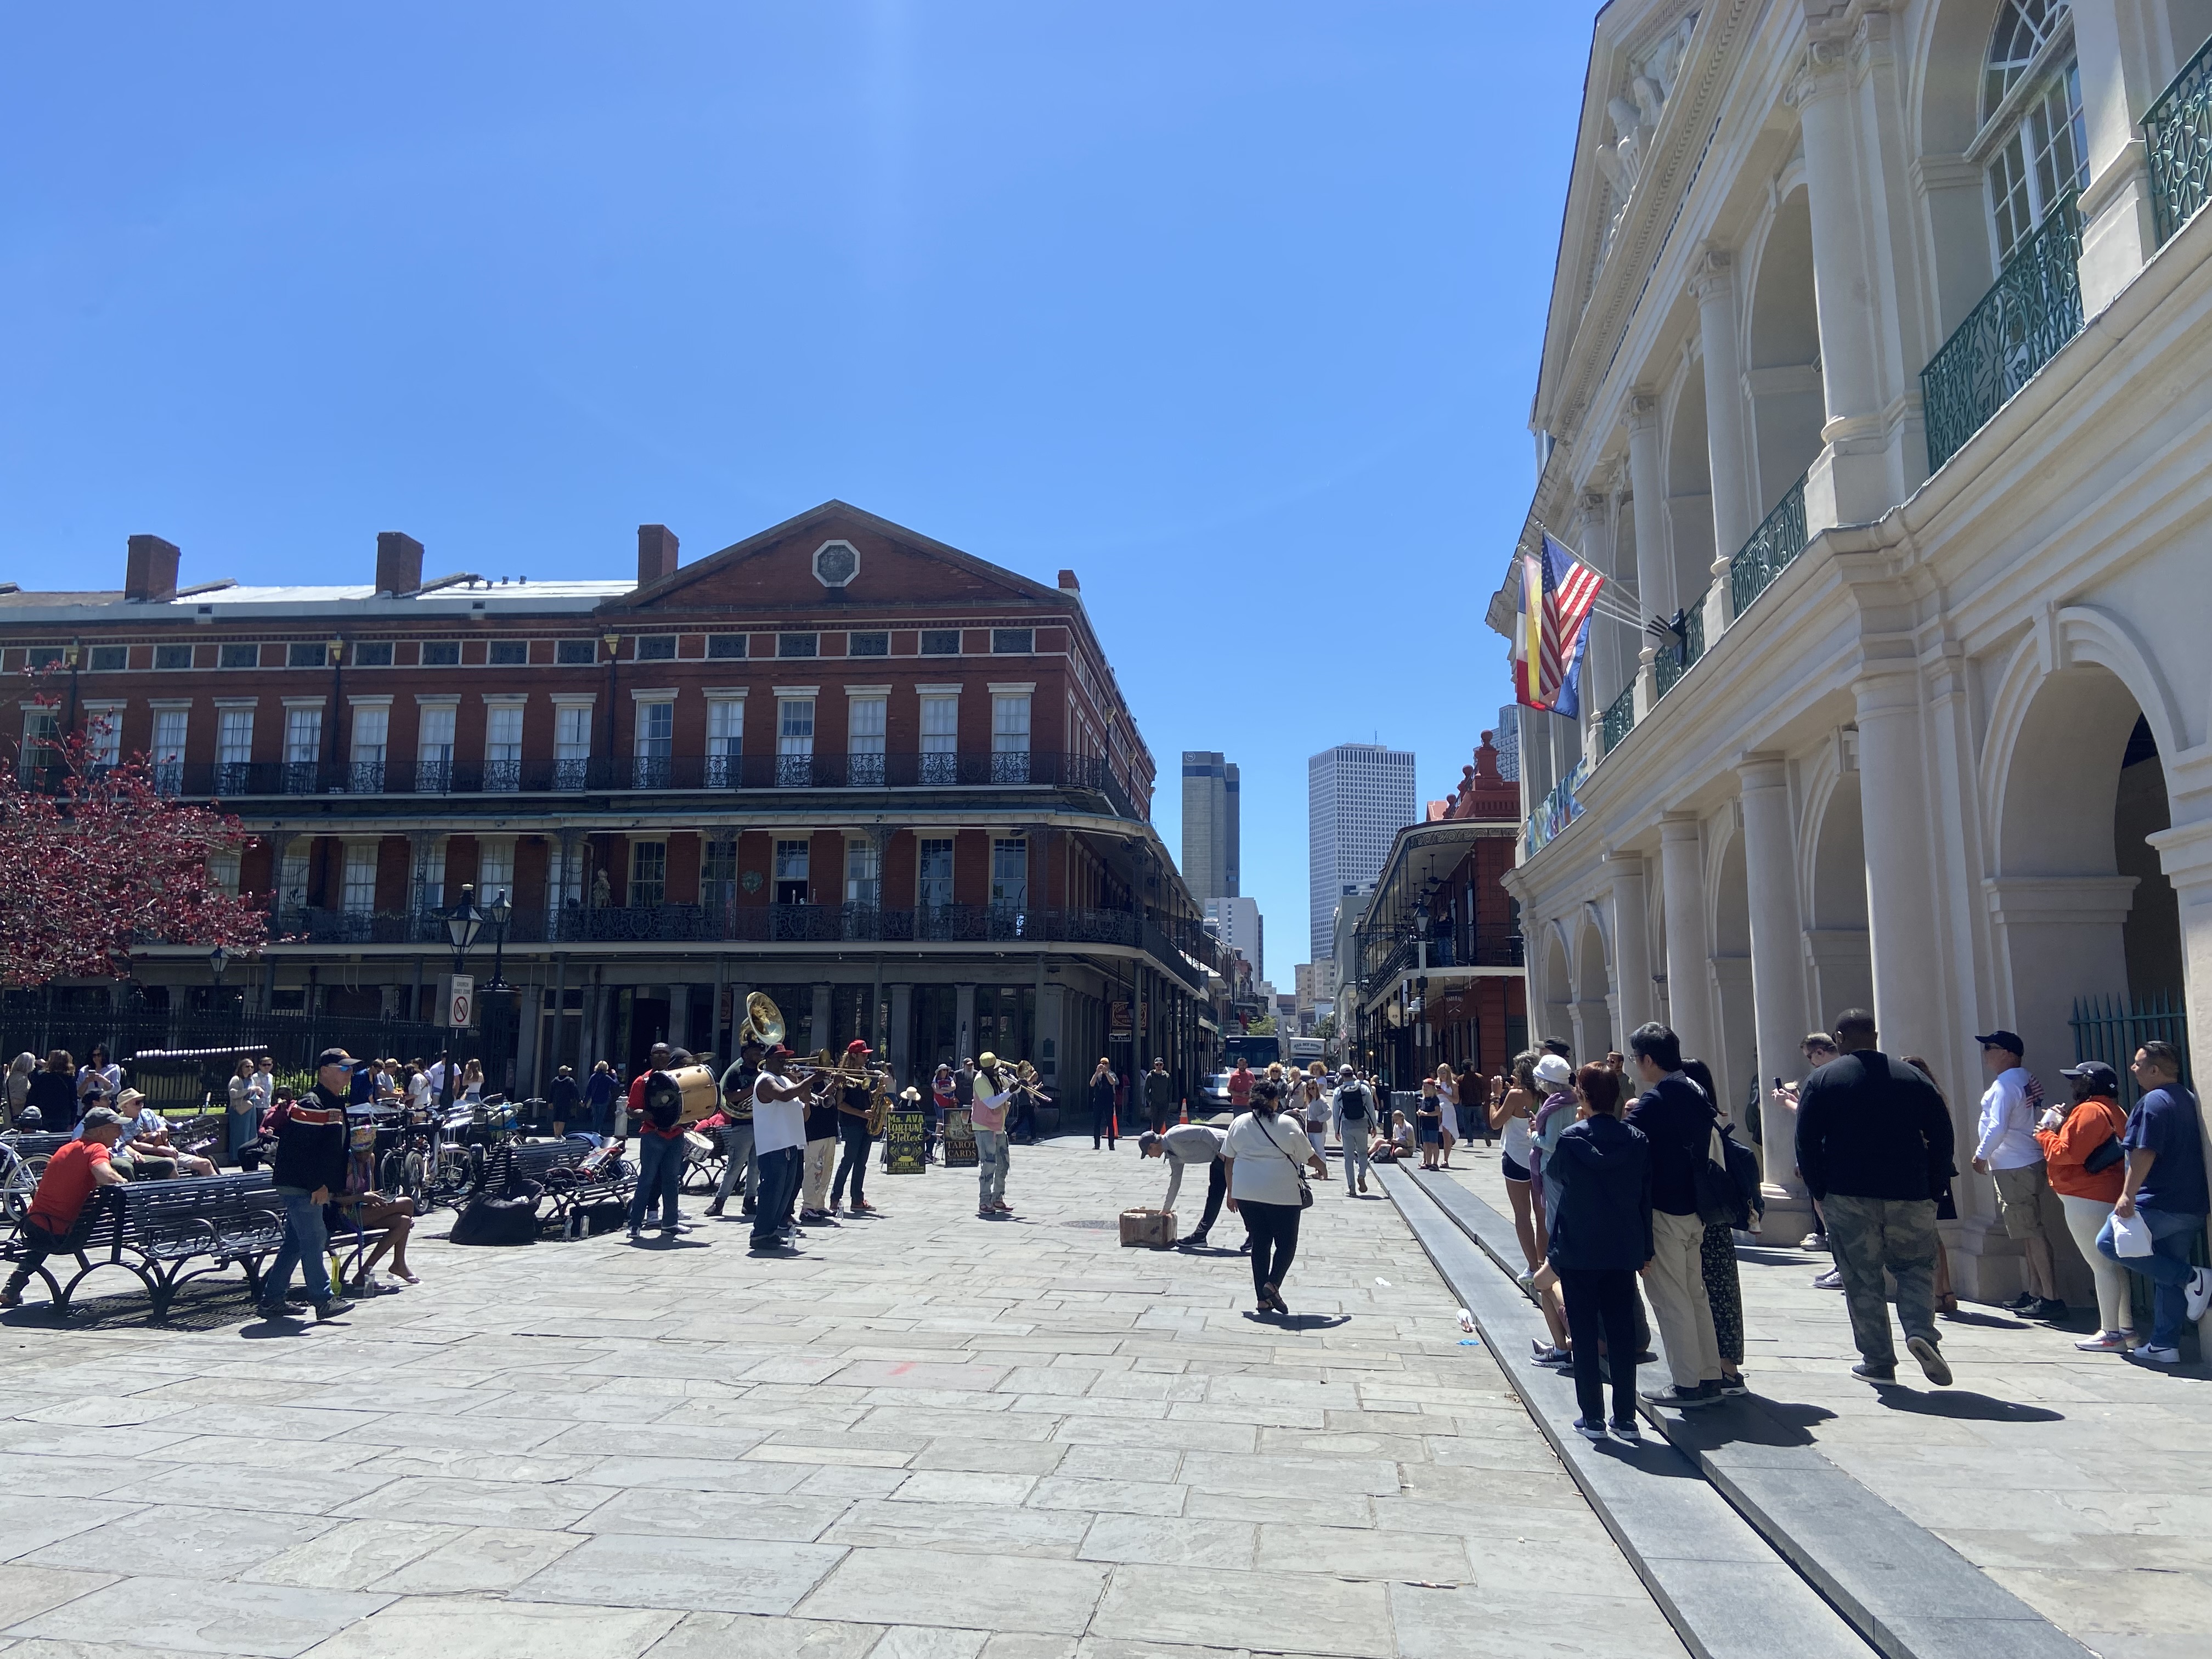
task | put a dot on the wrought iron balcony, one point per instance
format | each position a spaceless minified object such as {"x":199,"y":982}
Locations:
{"x":2178,"y":134}
{"x":1779,"y":538}
{"x":1675,"y":660}
{"x":1618,"y":719}
{"x":2019,"y":326}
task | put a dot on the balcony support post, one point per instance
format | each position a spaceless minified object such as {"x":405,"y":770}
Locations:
{"x":1728,"y":447}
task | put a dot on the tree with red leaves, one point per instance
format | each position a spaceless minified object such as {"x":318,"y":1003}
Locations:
{"x":93,"y":859}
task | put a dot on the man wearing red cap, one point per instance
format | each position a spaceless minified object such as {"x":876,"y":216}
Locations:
{"x":780,"y":1105}
{"x":853,"y":1100}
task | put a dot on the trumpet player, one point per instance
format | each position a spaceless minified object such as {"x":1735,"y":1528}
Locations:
{"x":987,"y":1112}
{"x":779,"y":1104}
{"x":856,"y":1092}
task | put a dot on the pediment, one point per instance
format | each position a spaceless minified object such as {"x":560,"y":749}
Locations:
{"x":871,"y":562}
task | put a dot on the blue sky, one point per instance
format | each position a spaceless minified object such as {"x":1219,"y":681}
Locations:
{"x":1232,"y":307}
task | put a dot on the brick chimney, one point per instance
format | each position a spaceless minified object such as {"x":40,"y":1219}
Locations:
{"x":149,"y":571}
{"x":1068,"y":584}
{"x":398,"y":562}
{"x":656,"y":553}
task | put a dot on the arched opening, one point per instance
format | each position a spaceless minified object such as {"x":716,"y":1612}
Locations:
{"x":1556,"y":1015}
{"x":1735,"y":1059}
{"x":1594,"y":1018}
{"x":1836,"y":944}
{"x":1951,"y":67}
{"x":1690,"y":492}
{"x":1787,"y":403}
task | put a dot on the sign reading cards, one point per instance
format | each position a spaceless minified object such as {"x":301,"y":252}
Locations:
{"x":959,"y":1139}
{"x":905,"y":1139}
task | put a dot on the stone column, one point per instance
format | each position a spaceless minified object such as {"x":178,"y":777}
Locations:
{"x":1728,"y":446}
{"x":2185,"y":852}
{"x":1901,"y":915}
{"x":1778,"y":972}
{"x":1682,"y":889}
{"x":2124,"y":66}
{"x":822,"y":1032}
{"x":902,"y":1035}
{"x":1631,"y":945}
{"x":963,"y":1017}
{"x":1655,"y":580}
{"x":1609,"y":663}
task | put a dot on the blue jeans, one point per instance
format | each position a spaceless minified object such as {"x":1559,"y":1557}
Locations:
{"x":306,"y":1244}
{"x":991,"y":1159}
{"x":2167,"y":1267}
{"x":660,"y":1168}
{"x":780,"y":1171}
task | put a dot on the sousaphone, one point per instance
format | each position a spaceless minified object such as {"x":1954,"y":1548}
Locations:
{"x":764,"y":1021}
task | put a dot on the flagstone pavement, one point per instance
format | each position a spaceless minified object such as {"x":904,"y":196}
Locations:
{"x":934,"y":1437}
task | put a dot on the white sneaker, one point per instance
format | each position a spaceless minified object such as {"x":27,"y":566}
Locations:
{"x":2106,"y":1342}
{"x":2147,"y":1355}
{"x":2199,"y":1293}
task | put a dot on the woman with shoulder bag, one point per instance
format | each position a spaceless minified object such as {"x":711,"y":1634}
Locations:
{"x":1267,"y":1155}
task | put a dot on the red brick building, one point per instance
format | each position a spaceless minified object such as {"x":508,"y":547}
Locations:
{"x":889,"y":783}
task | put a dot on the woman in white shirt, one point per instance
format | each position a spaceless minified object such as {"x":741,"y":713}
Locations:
{"x":1267,"y":1155}
{"x":1510,"y":1118}
{"x":1448,"y":1091}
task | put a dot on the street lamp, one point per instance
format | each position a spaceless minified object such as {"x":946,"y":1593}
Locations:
{"x":219,"y":963}
{"x":498,"y":913}
{"x":463,"y":923}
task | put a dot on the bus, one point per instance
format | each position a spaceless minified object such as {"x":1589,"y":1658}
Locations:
{"x":1258,"y":1051}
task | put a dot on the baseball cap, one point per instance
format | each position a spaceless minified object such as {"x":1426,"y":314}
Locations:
{"x":986,"y":1059}
{"x":2094,"y":1073}
{"x":1552,"y":1069}
{"x":98,"y":1116}
{"x":2003,"y":1039}
{"x":1344,"y":1070}
{"x":857,"y":1047}
{"x":334,"y":1057}
{"x":779,"y":1053}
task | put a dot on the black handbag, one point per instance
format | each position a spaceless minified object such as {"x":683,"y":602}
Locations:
{"x":1305,"y":1191}
{"x":2109,"y":1152}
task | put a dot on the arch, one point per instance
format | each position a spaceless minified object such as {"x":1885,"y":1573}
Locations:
{"x":1781,"y":354}
{"x":1689,"y":483}
{"x":1944,"y":105}
{"x":1593,"y":984}
{"x":1556,"y":1012}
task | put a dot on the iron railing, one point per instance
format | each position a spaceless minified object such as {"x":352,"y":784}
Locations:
{"x":2033,"y":310}
{"x":1674,"y":660}
{"x":1779,"y":538}
{"x":2178,"y":136}
{"x":1618,"y":719}
{"x":40,"y":1021}
{"x":1495,"y":946}
{"x":2111,"y":1028}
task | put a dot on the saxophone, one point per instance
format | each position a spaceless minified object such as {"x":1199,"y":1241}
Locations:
{"x":879,"y":1107}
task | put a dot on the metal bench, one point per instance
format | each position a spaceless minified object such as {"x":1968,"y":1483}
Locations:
{"x":557,"y":1166}
{"x":159,"y":1229}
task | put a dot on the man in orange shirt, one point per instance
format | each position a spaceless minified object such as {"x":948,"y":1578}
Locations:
{"x":76,"y":1168}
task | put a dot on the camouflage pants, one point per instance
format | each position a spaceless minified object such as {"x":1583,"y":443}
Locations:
{"x":1868,"y":1235}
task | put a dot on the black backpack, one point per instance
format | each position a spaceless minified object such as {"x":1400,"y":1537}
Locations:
{"x":1351,"y":1101}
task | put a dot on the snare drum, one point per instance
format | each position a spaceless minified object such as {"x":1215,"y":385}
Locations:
{"x":698,"y":1148}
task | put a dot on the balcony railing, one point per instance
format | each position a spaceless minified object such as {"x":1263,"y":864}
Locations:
{"x":2019,"y":326}
{"x":1496,"y":946}
{"x":1618,"y":719}
{"x":1675,"y":660}
{"x":1779,"y":538}
{"x":2178,"y":132}
{"x":234,"y":780}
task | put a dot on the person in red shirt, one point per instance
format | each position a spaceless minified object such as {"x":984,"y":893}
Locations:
{"x":76,"y":1169}
{"x":1240,"y":1087}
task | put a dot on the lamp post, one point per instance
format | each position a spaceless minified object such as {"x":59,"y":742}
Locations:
{"x":463,"y":922}
{"x":498,"y":913}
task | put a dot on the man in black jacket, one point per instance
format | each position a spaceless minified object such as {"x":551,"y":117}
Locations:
{"x":1674,"y":1116}
{"x":309,"y":1166}
{"x":1874,"y":1142}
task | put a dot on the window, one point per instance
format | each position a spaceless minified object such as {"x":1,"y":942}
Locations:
{"x":370,"y":728}
{"x":502,"y":747}
{"x":940,"y":641}
{"x":565,"y":877}
{"x":434,"y":747}
{"x":238,"y":656}
{"x":41,"y":741}
{"x":933,"y":874}
{"x":863,"y":741}
{"x":223,"y":870}
{"x":576,"y":653}
{"x":110,"y":659}
{"x":44,"y":656}
{"x":1013,"y":642}
{"x":495,"y":868}
{"x":1010,"y":874}
{"x":302,"y":653}
{"x":656,"y":647}
{"x":173,"y":656}
{"x":791,"y":870}
{"x":233,"y":748}
{"x":2042,"y":151}
{"x":868,"y":645}
{"x":292,"y":878}
{"x":794,"y":742}
{"x":359,"y":891}
{"x":862,"y":872}
{"x":441,"y":654}
{"x":373,"y":654}
{"x":717,"y":875}
{"x":940,"y":739}
{"x":649,"y":873}
{"x":572,"y":746}
{"x":303,"y":748}
{"x":169,"y":725}
{"x":726,"y":742}
{"x":721,"y":647}
{"x":103,"y":731}
{"x":655,"y":743}
{"x":509,"y":653}
{"x":797,"y":645}
{"x":1010,"y":737}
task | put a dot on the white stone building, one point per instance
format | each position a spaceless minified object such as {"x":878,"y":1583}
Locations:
{"x":1880,"y":347}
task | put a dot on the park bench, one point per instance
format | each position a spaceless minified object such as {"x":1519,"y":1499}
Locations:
{"x":166,"y":1232}
{"x":557,"y":1168}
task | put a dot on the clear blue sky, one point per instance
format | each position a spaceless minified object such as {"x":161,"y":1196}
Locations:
{"x":1233,"y":307}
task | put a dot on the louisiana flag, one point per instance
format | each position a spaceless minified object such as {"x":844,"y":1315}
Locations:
{"x":1552,"y":628}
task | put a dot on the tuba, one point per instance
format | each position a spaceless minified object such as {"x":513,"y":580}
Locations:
{"x":764,"y":1021}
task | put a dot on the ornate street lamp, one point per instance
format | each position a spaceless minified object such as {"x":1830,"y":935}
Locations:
{"x":498,"y":913}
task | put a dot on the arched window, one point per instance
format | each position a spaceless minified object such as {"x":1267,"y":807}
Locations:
{"x":2032,"y":126}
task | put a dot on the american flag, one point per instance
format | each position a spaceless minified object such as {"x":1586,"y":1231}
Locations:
{"x":1556,"y":593}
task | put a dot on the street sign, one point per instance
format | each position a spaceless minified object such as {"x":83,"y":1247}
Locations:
{"x":457,"y":1000}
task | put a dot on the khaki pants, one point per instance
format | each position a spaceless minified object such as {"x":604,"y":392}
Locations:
{"x":820,"y":1155}
{"x":1677,"y":1288}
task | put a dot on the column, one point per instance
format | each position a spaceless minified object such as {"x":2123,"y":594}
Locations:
{"x":1727,"y":444}
{"x":2185,"y":853}
{"x":964,"y":1016}
{"x":1901,"y":916}
{"x":1778,"y":972}
{"x":1655,"y":582}
{"x":1682,"y":890}
{"x":2123,"y":69}
{"x":823,"y":1034}
{"x":1631,"y":945}
{"x":902,"y":1035}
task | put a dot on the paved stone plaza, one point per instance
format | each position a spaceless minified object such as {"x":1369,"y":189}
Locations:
{"x":934,"y":1437}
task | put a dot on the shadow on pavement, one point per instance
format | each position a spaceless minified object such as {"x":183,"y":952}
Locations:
{"x":1962,"y":1404}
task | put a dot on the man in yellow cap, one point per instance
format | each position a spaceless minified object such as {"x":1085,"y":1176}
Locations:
{"x":988,"y":1111}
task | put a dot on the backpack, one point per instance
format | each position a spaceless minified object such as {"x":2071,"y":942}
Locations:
{"x":1743,"y":1169}
{"x":1352,"y":1103}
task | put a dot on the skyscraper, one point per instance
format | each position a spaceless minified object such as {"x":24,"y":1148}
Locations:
{"x":1359,"y":795}
{"x":1508,"y":743}
{"x":1236,"y":922}
{"x":1209,"y":824}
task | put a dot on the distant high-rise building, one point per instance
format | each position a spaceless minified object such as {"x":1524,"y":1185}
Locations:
{"x":1209,"y":824}
{"x":1237,"y":923}
{"x":1508,"y":743}
{"x":1359,"y":795}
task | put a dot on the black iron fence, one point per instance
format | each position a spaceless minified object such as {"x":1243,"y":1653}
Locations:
{"x":39,"y":1023}
{"x":2111,"y":1028}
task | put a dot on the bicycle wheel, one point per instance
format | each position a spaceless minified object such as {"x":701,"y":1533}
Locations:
{"x":17,"y":1183}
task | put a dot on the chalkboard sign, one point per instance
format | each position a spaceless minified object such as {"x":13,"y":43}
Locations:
{"x":903,"y":1142}
{"x":959,"y":1139}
